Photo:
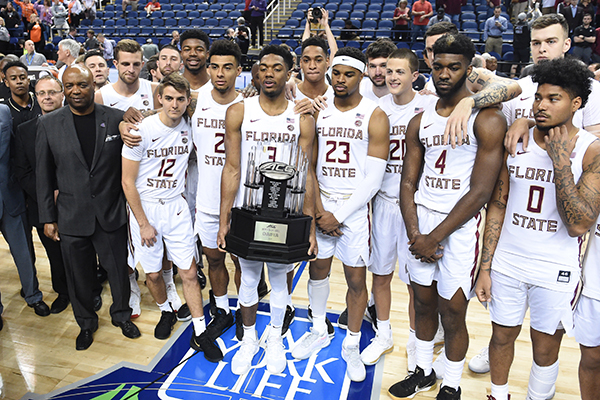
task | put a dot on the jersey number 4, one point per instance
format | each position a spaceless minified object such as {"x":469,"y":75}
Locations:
{"x":441,"y":162}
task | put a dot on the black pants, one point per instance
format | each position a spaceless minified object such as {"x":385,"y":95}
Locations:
{"x":79,"y":254}
{"x":57,"y":266}
{"x":401,"y":33}
{"x":258,"y":22}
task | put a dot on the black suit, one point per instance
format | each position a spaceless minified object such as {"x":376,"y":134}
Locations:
{"x":573,"y":21}
{"x":90,"y":208}
{"x":24,"y":163}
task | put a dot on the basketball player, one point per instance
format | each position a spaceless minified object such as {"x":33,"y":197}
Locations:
{"x":244,"y":123}
{"x":377,"y":54}
{"x":169,"y":60}
{"x":544,"y":201}
{"x":389,"y":233}
{"x":153,"y":176}
{"x":350,"y":169}
{"x":314,"y":62}
{"x":443,"y":215}
{"x":194,"y":52}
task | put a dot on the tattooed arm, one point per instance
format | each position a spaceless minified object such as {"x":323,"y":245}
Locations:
{"x":490,"y":90}
{"x":578,"y":203}
{"x":493,"y":226}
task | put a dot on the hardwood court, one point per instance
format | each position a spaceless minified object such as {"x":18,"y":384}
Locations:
{"x":38,"y":354}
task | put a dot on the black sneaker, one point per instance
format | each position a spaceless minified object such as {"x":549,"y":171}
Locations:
{"x":330,"y":328}
{"x":184,"y":314}
{"x":371,"y":315}
{"x":220,"y":322}
{"x":239,"y":327}
{"x":165,"y":325}
{"x":343,"y":319}
{"x":263,"y":289}
{"x":414,"y":383}
{"x":203,"y":343}
{"x":448,"y":393}
{"x":290,"y":314}
{"x":201,"y":278}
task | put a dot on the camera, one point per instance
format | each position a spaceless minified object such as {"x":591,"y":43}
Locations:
{"x":317,"y":14}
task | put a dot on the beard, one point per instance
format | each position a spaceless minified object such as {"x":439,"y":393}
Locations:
{"x":452,"y":91}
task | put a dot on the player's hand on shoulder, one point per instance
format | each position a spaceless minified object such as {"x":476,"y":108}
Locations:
{"x":249,"y":91}
{"x":458,"y":123}
{"x":304,"y":106}
{"x":128,"y":137}
{"x":519,"y":130}
{"x":425,"y":248}
{"x":290,"y":89}
{"x":320,"y":102}
{"x":133,"y":115}
{"x":148,"y":234}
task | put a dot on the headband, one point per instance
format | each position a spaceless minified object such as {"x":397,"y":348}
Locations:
{"x":350,"y":62}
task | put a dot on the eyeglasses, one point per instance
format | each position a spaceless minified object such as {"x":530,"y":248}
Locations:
{"x":50,"y":93}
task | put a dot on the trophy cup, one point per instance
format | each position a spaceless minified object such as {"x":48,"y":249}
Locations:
{"x":270,"y":225}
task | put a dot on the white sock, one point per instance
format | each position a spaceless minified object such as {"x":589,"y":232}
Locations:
{"x":223,"y":302}
{"x":500,"y":392}
{"x":289,"y":301}
{"x":318,"y":292}
{"x":168,"y":276}
{"x":384,"y":329}
{"x":199,"y":325}
{"x":275,"y":331}
{"x":250,"y":331}
{"x":351,"y":339}
{"x":541,"y":381}
{"x":453,"y":373}
{"x":164,"y":306}
{"x":424,"y":355}
{"x":371,"y":302}
{"x":412,"y":336}
{"x":133,"y":283}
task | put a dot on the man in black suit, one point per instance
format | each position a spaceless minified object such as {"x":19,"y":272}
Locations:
{"x":78,"y":152}
{"x":572,"y":13}
{"x":50,"y":97}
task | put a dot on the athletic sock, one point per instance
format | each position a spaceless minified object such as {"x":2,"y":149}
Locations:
{"x":541,"y":381}
{"x":371,"y":301}
{"x":412,"y":336}
{"x":199,"y":325}
{"x":165,"y":306}
{"x":384,"y":329}
{"x":223,"y":302}
{"x":500,"y":392}
{"x":453,"y":373}
{"x":275,"y":331}
{"x":167,"y":276}
{"x":318,"y":292}
{"x":424,"y":355}
{"x":250,"y":330}
{"x":289,"y":301}
{"x":351,"y":339}
{"x":133,"y":282}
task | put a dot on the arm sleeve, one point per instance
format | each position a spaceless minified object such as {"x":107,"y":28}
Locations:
{"x":366,"y":189}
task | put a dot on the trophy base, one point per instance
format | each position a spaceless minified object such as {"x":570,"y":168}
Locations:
{"x":270,"y":239}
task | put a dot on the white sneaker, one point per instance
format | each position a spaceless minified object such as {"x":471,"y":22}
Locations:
{"x":242,"y":360}
{"x":275,"y":354}
{"x":173,"y":297}
{"x":379,"y":346}
{"x":355,"y":369}
{"x":438,"y":340}
{"x":439,"y":365}
{"x":135,"y":297}
{"x":411,"y":356}
{"x":312,"y":343}
{"x":480,"y":364}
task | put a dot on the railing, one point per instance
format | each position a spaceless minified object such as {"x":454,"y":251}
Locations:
{"x":275,"y":9}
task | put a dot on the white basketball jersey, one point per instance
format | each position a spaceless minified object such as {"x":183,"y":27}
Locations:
{"x":535,"y":246}
{"x":343,"y":139}
{"x":522,"y":106}
{"x":366,"y":90}
{"x":446,"y":176}
{"x":399,"y":117}
{"x":208,"y":129}
{"x":330,"y":94}
{"x":268,"y":133}
{"x":591,"y":265}
{"x":163,"y":155}
{"x":142,"y":99}
{"x":207,"y":87}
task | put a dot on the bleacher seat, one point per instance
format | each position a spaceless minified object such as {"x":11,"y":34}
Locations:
{"x":108,"y":15}
{"x":468,"y":16}
{"x":332,"y":8}
{"x":147,"y":31}
{"x":168,"y":14}
{"x":120,"y":22}
{"x":109,"y":7}
{"x":184,"y":22}
{"x":194,"y":14}
{"x":382,"y":34}
{"x":359,"y":15}
{"x":417,"y":46}
{"x":507,"y":37}
{"x":389,"y":7}
{"x":508,"y":56}
{"x":228,"y":7}
{"x":337,"y":23}
{"x":164,"y":42}
{"x":206,"y":15}
{"x":301,"y":7}
{"x":346,"y":7}
{"x":506,"y":47}
{"x":374,"y":7}
{"x":211,"y":23}
{"x":156,"y":14}
{"x":160,"y":31}
{"x":402,"y":45}
{"x":235,"y":14}
{"x":297,"y":14}
{"x":197,"y":22}
{"x":158,"y":22}
{"x":360,"y":7}
{"x":353,"y":43}
{"x":493,"y":53}
{"x":170,"y":22}
{"x":285,"y":33}
{"x":467,"y":8}
{"x":215,"y":7}
{"x":374,"y":15}
{"x":177,"y":7}
{"x":481,"y":9}
{"x":189,"y":7}
{"x":385,"y":24}
{"x":293,"y":43}
{"x":180,"y":14}
{"x":226,"y":23}
{"x":275,"y":42}
{"x":469,"y":26}
{"x":387,"y":15}
{"x":357,"y":23}
{"x":473,"y":35}
{"x":343,"y":15}
{"x":220,"y":14}
{"x":292,"y":23}
{"x":166,"y":7}
{"x":298,"y":51}
{"x":202,"y":7}
{"x":216,"y":33}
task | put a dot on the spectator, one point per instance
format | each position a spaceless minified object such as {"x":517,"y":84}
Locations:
{"x":27,"y":10}
{"x":518,"y":6}
{"x":491,"y":64}
{"x":151,"y":7}
{"x":99,"y":67}
{"x":68,"y":51}
{"x":241,"y":24}
{"x":452,"y":8}
{"x":132,"y":3}
{"x":36,"y":33}
{"x":421,"y":11}
{"x":91,"y":42}
{"x":229,"y":35}
{"x":401,"y":18}
{"x":257,"y":17}
{"x":32,"y":58}
{"x":596,"y":48}
{"x":75,"y":13}
{"x":548,"y":7}
{"x":572,"y":13}
{"x":584,"y":39}
{"x":439,"y":17}
{"x":72,"y":33}
{"x":45,"y":13}
{"x":149,"y":49}
{"x":152,"y":69}
{"x":242,"y":36}
{"x":4,"y":37}
{"x":587,"y":7}
{"x":175,"y":40}
{"x":12,"y":20}
{"x":492,"y":32}
{"x":595,"y":68}
{"x":59,"y":18}
{"x":521,"y":43}
{"x":89,"y":9}
{"x":350,"y":32}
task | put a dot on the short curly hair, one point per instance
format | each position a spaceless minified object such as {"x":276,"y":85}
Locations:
{"x":568,"y":73}
{"x":455,"y":43}
{"x":278,"y":50}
